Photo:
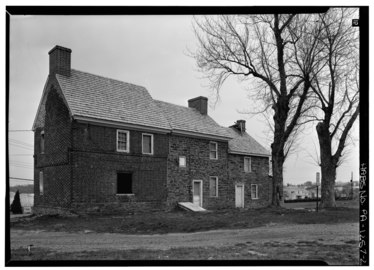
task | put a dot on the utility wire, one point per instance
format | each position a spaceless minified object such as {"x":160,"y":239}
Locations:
{"x":23,"y":179}
{"x":19,"y":130}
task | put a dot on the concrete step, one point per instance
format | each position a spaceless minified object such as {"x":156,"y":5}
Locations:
{"x":191,"y":207}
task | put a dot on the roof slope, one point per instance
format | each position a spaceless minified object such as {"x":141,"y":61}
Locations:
{"x":190,"y":120}
{"x":245,"y":144}
{"x":102,"y":98}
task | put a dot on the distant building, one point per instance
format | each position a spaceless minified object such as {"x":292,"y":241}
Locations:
{"x":293,"y":192}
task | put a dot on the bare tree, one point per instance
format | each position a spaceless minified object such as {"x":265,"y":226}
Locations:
{"x":276,"y":54}
{"x":337,"y":90}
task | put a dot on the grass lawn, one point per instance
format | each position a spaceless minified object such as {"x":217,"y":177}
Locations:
{"x":181,"y":221}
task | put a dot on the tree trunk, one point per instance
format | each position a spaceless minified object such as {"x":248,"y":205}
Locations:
{"x":277,"y":179}
{"x":328,"y":167}
{"x":277,"y":148}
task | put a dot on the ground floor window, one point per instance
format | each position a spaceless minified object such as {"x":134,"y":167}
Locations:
{"x":254,"y":192}
{"x":41,"y":182}
{"x":213,"y":186}
{"x":124,"y":183}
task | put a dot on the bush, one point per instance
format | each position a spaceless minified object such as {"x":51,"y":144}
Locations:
{"x":16,"y":207}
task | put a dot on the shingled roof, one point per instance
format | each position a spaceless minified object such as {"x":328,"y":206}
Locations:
{"x":244,"y":144}
{"x":97,"y":97}
{"x":185,"y":119}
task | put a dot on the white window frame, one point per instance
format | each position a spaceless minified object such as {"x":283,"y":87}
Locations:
{"x":254,"y":185}
{"x":215,"y":151}
{"x":147,"y":134}
{"x":41,"y":182}
{"x":127,"y":141}
{"x":250,"y":164}
{"x":216,"y":178}
{"x":185,"y":161}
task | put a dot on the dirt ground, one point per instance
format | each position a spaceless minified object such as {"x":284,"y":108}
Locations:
{"x":308,"y":242}
{"x":266,"y":234}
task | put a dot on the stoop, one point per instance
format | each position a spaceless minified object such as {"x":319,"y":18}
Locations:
{"x":190,"y":207}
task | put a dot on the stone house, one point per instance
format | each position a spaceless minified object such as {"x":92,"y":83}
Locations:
{"x":104,"y":143}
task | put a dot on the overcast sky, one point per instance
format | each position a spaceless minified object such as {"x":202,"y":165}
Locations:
{"x":151,"y":51}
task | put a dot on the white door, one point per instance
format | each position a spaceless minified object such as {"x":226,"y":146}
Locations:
{"x":239,"y":196}
{"x":197,"y":190}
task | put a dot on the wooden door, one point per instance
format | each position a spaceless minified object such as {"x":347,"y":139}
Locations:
{"x":197,"y":188}
{"x":239,"y":196}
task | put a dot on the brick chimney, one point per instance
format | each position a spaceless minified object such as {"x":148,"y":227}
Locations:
{"x":200,"y":104}
{"x":240,"y":125}
{"x":59,"y":61}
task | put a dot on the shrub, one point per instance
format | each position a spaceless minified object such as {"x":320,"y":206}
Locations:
{"x":16,"y":207}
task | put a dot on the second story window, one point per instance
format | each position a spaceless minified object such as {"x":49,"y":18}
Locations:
{"x":123,"y":141}
{"x":213,"y":150}
{"x":147,"y":141}
{"x":247,"y":164}
{"x":42,"y":142}
{"x":182,"y":161}
{"x":270,"y":167}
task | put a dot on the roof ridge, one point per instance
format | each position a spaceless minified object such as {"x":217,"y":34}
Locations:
{"x":173,"y":104}
{"x":100,"y":76}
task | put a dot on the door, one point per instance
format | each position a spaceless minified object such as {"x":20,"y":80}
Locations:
{"x":239,"y":196}
{"x":197,"y":190}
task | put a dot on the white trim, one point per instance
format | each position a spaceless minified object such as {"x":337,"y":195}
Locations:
{"x":216,"y":150}
{"x":185,"y":161}
{"x":201,"y":191}
{"x":127,"y":141}
{"x":111,"y":123}
{"x":216,"y":178}
{"x":201,"y":135}
{"x":248,"y":154}
{"x":254,"y":185}
{"x":147,"y":134}
{"x":250,"y":164}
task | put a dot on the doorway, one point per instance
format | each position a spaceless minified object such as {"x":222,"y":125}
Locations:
{"x":239,"y":195}
{"x":197,"y":192}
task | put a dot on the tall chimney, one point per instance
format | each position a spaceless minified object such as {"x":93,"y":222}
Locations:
{"x":240,"y":125}
{"x":200,"y":104}
{"x":59,"y":61}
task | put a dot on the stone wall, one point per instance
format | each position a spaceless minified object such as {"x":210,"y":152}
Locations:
{"x":198,"y":167}
{"x":259,"y":175}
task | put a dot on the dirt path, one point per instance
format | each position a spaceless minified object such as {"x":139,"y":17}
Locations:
{"x":91,"y":241}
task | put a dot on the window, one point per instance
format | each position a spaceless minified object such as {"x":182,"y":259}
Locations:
{"x":213,"y":186}
{"x":213,"y":150}
{"x":270,"y":167}
{"x":247,"y":164}
{"x":123,"y":141}
{"x":42,"y":142}
{"x":124,"y":183}
{"x":254,"y":192}
{"x":41,"y":183}
{"x":182,"y":161}
{"x":147,"y":142}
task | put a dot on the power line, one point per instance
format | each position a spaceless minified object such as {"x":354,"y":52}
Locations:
{"x":21,"y":142}
{"x":19,"y":130}
{"x":23,"y":179}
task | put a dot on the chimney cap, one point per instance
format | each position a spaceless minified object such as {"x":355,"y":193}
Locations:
{"x":196,"y":98}
{"x":57,"y":47}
